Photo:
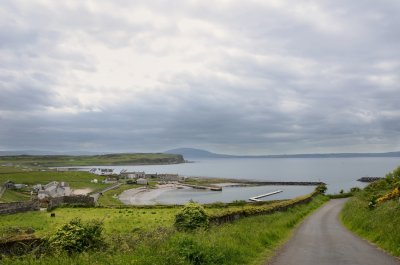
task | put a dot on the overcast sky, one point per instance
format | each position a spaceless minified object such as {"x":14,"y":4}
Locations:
{"x":237,"y":77}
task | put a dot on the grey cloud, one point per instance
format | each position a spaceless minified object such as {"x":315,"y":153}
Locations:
{"x":274,"y":83}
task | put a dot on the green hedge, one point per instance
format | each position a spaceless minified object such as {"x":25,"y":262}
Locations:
{"x":229,"y":215}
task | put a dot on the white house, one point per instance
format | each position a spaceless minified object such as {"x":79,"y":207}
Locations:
{"x":54,"y":189}
{"x":142,"y":181}
{"x":110,"y":180}
{"x":133,"y":175}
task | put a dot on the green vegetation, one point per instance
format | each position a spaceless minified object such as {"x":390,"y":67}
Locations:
{"x":321,"y":188}
{"x":248,"y":240}
{"x":124,"y":220}
{"x":374,"y":215}
{"x":116,"y":220}
{"x":343,"y":194}
{"x":191,"y":217}
{"x":93,"y":160}
{"x":110,"y":198}
{"x":75,"y":179}
{"x":15,"y":196}
{"x":77,"y":236}
{"x":144,"y":234}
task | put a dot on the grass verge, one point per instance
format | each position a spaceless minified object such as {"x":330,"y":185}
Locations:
{"x":378,"y":223}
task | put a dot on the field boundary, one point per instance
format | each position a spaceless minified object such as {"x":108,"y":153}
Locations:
{"x":2,"y":190}
{"x":225,"y":217}
{"x":79,"y":200}
{"x":18,"y":207}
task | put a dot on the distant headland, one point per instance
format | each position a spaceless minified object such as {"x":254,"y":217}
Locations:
{"x":189,"y":153}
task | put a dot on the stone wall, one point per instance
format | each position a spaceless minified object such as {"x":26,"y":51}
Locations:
{"x":232,"y":216}
{"x":18,"y":207}
{"x":2,"y":190}
{"x":71,"y":200}
{"x":21,"y":247}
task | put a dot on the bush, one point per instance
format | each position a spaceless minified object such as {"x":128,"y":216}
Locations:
{"x":76,"y":236}
{"x":321,"y":188}
{"x":394,"y":177}
{"x":192,"y":216}
{"x":355,"y":189}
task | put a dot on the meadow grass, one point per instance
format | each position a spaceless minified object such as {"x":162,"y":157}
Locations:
{"x":249,"y":240}
{"x":375,"y":216}
{"x":14,"y":196}
{"x":122,"y":220}
{"x":74,"y":178}
{"x":380,"y":225}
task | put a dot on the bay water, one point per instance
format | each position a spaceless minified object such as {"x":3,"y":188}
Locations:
{"x":337,"y":173}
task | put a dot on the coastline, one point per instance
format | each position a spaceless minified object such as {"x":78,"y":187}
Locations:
{"x":145,"y":196}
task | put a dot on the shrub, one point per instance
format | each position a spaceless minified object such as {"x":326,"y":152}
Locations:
{"x":321,"y":188}
{"x":192,"y":216}
{"x":372,"y":202}
{"x":355,"y":189}
{"x":76,"y":236}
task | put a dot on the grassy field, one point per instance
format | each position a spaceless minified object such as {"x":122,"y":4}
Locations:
{"x":115,"y":220}
{"x":15,"y":196}
{"x":93,"y":160}
{"x":75,"y":179}
{"x":379,"y":224}
{"x":250,"y":240}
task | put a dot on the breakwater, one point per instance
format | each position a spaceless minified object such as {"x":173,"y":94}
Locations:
{"x":200,"y":187}
{"x":368,"y":179}
{"x":285,"y":183}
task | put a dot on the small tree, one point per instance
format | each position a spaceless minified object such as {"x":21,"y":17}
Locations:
{"x":77,"y":236}
{"x":192,"y":216}
{"x":321,"y":188}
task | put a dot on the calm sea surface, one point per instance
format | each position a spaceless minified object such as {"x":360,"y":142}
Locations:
{"x":338,"y":173}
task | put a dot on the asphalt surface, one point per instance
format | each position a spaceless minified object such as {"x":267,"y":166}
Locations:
{"x":322,"y":240}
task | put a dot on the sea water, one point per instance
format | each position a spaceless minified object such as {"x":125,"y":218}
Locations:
{"x":337,"y":173}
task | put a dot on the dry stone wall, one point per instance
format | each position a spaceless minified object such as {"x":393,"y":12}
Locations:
{"x":18,"y":207}
{"x":70,"y":200}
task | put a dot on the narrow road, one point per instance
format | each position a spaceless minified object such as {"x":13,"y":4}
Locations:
{"x":96,"y":195}
{"x":322,"y":240}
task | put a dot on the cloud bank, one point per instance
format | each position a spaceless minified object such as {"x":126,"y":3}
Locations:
{"x":254,"y":77}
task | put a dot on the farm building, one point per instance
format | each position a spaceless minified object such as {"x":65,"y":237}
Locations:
{"x":54,"y":189}
{"x":142,"y":181}
{"x":9,"y":184}
{"x":133,"y":175}
{"x":110,"y":180}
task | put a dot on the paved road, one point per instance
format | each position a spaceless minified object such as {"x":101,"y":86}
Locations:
{"x":322,"y":240}
{"x":96,"y":195}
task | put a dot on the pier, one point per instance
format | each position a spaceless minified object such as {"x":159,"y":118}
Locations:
{"x":256,"y":198}
{"x":212,"y":188}
{"x":284,"y":183}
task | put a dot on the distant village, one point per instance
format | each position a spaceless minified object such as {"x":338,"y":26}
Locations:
{"x":56,"y":189}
